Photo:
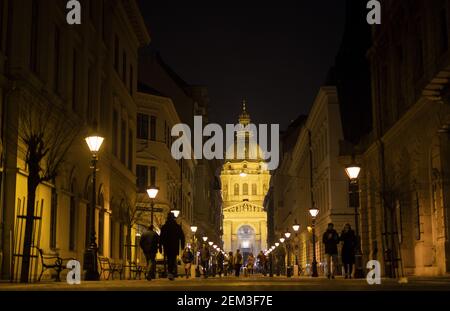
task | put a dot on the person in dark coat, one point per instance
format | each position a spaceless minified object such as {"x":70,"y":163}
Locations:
{"x":204,"y":258}
{"x":238,"y":261}
{"x":331,"y":239}
{"x":348,"y":238}
{"x":220,"y":258}
{"x":172,"y":239}
{"x":149,"y":244}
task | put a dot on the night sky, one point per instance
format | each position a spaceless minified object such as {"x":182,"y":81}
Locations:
{"x":274,"y":56}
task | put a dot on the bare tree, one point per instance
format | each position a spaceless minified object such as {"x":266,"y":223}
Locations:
{"x":131,"y":215}
{"x":46,"y":132}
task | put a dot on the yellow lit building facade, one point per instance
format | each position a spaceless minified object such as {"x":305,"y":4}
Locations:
{"x":244,"y":186}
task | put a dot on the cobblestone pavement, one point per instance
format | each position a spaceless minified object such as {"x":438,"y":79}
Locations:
{"x":257,"y":283}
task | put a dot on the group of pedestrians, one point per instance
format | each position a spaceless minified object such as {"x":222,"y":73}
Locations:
{"x":170,"y":241}
{"x":331,"y":240}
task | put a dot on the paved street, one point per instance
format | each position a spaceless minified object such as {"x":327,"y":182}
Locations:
{"x":242,"y":284}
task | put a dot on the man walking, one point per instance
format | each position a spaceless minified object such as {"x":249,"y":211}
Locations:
{"x":149,"y":244}
{"x":172,"y":238}
{"x":220,"y":258}
{"x":238,"y":260}
{"x":204,"y":258}
{"x":331,"y":239}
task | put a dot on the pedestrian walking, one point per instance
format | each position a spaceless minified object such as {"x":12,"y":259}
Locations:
{"x":348,"y":238}
{"x":220,"y":259}
{"x":250,"y":263}
{"x":262,"y":262}
{"x":204,"y":258}
{"x":331,"y":239}
{"x":172,"y":237}
{"x":149,"y":244}
{"x":230,"y":263}
{"x":238,"y":261}
{"x":188,"y":258}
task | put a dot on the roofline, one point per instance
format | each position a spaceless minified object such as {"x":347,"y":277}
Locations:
{"x":137,"y":22}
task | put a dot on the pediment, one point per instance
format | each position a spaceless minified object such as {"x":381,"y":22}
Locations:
{"x":244,"y":207}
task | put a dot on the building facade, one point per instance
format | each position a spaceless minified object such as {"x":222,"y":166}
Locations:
{"x":156,"y":167}
{"x":404,"y":175}
{"x":87,"y":73}
{"x":310,"y":174}
{"x":245,"y":183}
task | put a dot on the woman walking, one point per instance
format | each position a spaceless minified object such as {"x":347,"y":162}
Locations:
{"x":188,"y":258}
{"x":348,"y":238}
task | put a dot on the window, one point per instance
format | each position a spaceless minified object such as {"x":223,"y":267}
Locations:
{"x":72,"y":222}
{"x":92,"y":10}
{"x":34,"y":36}
{"x":245,"y":189}
{"x":130,"y":149}
{"x":124,"y":68}
{"x":2,"y":20}
{"x":236,"y":189}
{"x":116,"y":53}
{"x":142,"y":126}
{"x":141,"y":177}
{"x":53,"y":218}
{"x":419,"y":67}
{"x":153,"y":176}
{"x":57,"y":51}
{"x":123,"y":142}
{"x":254,"y":189}
{"x":443,"y":31}
{"x":74,"y":81}
{"x":153,"y":128}
{"x":115,"y":131}
{"x":90,"y":105}
{"x":131,"y":80}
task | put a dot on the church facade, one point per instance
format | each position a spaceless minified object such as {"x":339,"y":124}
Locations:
{"x":245,"y":183}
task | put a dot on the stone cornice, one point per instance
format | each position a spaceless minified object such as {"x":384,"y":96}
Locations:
{"x":137,"y":21}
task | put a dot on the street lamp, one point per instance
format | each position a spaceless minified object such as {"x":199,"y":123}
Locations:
{"x":287,"y":234}
{"x":194,"y":229}
{"x":313,"y":211}
{"x":296,"y":227}
{"x":152,"y":193}
{"x":205,"y":238}
{"x":210,"y":243}
{"x":94,"y":143}
{"x":277,"y":244}
{"x":197,"y":269}
{"x":175,"y":212}
{"x":353,"y":171}
{"x":282,"y":240}
{"x":243,"y":174}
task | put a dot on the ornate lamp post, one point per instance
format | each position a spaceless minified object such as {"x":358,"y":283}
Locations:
{"x":353,"y":173}
{"x":296,"y":228}
{"x":194,"y":242}
{"x":313,"y":211}
{"x":90,"y":254}
{"x":287,"y":234}
{"x":152,"y":193}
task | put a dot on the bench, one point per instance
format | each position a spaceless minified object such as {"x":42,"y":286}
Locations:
{"x":109,"y":267}
{"x":52,"y":262}
{"x":135,"y":270}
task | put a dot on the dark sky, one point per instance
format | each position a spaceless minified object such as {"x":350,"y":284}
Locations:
{"x":274,"y":56}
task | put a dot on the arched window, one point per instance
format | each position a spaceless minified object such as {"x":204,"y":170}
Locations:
{"x":236,"y":189}
{"x":245,"y":189}
{"x":254,"y":192}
